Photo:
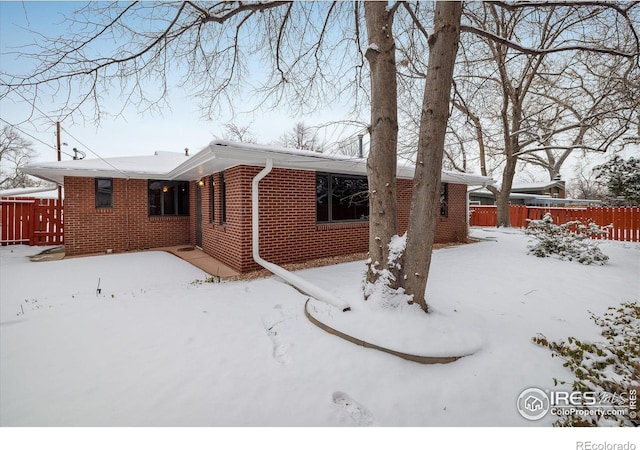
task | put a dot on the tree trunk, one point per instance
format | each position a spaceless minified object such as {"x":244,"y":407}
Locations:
{"x":382,"y":160}
{"x":503,"y":218}
{"x":425,"y":201}
{"x":502,"y":197}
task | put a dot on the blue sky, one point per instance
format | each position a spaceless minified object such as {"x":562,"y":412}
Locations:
{"x":135,"y":133}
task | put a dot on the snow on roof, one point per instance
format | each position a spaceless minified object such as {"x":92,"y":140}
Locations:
{"x":534,"y":199}
{"x":35,"y":192}
{"x":513,"y":195}
{"x":536,"y":185}
{"x":218,"y":156}
{"x":135,"y":167}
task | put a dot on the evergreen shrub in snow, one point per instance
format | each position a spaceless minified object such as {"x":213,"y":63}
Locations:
{"x":567,"y":241}
{"x":609,"y":369}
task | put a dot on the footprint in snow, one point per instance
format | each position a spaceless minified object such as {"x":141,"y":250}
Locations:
{"x":350,"y":411}
{"x":274,"y":323}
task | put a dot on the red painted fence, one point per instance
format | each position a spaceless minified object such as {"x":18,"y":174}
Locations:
{"x":31,"y":221}
{"x":625,"y":221}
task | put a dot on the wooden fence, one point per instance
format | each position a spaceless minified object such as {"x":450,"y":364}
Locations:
{"x":31,"y":221}
{"x":625,"y":221}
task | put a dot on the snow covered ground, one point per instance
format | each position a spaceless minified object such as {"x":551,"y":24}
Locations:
{"x":154,"y":348}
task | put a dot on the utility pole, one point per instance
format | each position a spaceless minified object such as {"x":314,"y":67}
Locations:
{"x":59,"y":146}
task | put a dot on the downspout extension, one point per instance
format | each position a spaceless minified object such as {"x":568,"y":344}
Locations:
{"x":292,"y":279}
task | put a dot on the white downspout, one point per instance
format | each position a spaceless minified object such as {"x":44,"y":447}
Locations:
{"x":294,"y":280}
{"x":484,"y":185}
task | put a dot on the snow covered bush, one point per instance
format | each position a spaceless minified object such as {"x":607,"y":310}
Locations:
{"x":609,"y":369}
{"x":567,"y":241}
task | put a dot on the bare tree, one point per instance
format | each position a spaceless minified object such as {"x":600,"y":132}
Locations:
{"x":540,"y":102}
{"x":302,"y":137}
{"x":142,"y":48}
{"x":425,"y":199}
{"x":584,"y":185}
{"x":353,"y":146}
{"x":575,"y":87}
{"x":15,"y":152}
{"x":238,"y":133}
{"x":588,"y":109}
{"x":383,"y":131}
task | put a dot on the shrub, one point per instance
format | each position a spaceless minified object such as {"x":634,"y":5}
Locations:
{"x":567,"y":241}
{"x":610,"y":369}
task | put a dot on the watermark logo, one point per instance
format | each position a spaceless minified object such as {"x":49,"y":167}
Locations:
{"x":533,"y":404}
{"x":590,"y":445}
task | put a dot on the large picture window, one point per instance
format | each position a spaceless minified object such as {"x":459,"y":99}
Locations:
{"x":104,"y":193}
{"x":341,"y":198}
{"x":168,"y":198}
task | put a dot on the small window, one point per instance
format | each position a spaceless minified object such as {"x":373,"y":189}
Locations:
{"x":104,"y":193}
{"x":444,"y":199}
{"x":168,"y":198}
{"x":341,"y":198}
{"x":212,"y":196}
{"x":223,"y":195}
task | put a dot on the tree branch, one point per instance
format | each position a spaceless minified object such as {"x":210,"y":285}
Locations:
{"x":416,"y":20}
{"x":544,"y":51}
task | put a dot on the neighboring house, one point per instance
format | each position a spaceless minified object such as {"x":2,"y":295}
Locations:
{"x":546,"y":193}
{"x":311,"y":205}
{"x":486,"y":197}
{"x":554,"y":188}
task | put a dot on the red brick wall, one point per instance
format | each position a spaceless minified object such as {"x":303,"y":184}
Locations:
{"x":453,"y":228}
{"x":229,"y":242}
{"x":126,"y":226}
{"x":288,"y":229}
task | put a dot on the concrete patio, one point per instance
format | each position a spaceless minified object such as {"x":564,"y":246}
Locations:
{"x":201,"y":260}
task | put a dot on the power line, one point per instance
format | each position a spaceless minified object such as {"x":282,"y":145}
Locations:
{"x":46,"y":116}
{"x":35,"y":138}
{"x":73,"y":137}
{"x":96,"y":154}
{"x":28,"y":134}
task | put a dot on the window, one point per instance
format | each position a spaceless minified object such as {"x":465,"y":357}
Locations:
{"x":104,"y":193}
{"x":168,"y":198}
{"x":444,"y":200}
{"x":212,"y":196}
{"x":341,"y":198}
{"x":223,"y":192}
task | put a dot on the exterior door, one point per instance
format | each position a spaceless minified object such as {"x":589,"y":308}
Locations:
{"x":198,"y":215}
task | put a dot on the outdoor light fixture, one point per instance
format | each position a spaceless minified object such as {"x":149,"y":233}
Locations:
{"x":201,"y":182}
{"x":165,"y":188}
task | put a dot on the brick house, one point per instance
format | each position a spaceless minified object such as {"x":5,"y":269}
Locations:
{"x":310,"y":205}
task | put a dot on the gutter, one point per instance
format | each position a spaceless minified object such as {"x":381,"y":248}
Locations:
{"x":290,"y":278}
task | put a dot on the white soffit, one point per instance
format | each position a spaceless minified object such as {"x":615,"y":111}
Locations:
{"x":218,"y":156}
